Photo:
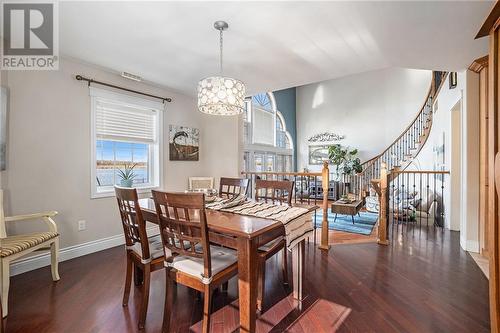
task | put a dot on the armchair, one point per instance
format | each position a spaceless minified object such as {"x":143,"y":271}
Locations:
{"x":16,"y":246}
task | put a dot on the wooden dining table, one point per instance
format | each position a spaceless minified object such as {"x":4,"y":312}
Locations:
{"x":246,"y":234}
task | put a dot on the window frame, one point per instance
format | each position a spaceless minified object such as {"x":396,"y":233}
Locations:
{"x":155,"y":167}
{"x":250,"y":148}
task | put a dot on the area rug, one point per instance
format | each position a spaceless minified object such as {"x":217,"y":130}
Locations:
{"x":363,"y":224}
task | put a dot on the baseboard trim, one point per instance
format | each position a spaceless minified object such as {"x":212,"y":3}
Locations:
{"x":43,"y":259}
{"x":472,"y":246}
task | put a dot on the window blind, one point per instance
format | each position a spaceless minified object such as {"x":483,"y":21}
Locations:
{"x":119,"y":121}
{"x":263,"y":127}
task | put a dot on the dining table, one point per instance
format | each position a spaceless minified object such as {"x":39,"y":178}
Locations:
{"x":246,"y":234}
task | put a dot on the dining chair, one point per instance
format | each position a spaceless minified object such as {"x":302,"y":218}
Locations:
{"x":201,"y":183}
{"x":142,"y":252}
{"x":276,"y":191}
{"x":229,"y":187}
{"x":189,"y":258}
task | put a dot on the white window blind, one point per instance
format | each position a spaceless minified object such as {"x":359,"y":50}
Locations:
{"x":119,"y":121}
{"x":263,"y":127}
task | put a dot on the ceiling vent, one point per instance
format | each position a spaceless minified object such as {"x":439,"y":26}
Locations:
{"x":131,"y":76}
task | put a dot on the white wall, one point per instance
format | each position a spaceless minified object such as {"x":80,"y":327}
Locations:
{"x":462,"y":189}
{"x":48,"y":152}
{"x":446,"y":100}
{"x":371,"y":109}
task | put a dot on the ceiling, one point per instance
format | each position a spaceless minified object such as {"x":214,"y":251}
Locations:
{"x":271,"y":45}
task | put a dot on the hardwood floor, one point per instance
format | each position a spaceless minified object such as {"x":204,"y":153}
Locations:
{"x":422,"y":282}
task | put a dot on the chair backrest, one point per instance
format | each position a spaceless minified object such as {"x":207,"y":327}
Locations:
{"x":133,"y":223}
{"x":229,"y":187}
{"x":201,"y":183}
{"x":274,"y":190}
{"x":183,"y":226}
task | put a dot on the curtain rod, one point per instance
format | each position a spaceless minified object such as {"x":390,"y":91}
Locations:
{"x":83,"y":78}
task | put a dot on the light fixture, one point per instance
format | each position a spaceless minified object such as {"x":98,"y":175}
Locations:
{"x":221,"y":95}
{"x":453,"y":80}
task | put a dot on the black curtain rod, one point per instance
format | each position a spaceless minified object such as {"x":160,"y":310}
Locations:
{"x":83,"y":78}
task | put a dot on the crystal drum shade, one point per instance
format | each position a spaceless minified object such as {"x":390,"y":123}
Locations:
{"x":222,"y":96}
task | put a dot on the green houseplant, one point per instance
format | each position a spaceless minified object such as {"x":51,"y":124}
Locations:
{"x":346,"y":161}
{"x":127,"y":175}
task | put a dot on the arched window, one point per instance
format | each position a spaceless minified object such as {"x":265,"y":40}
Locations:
{"x":268,"y":145}
{"x":263,"y":101}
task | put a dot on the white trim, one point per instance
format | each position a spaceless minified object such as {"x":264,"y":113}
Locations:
{"x":156,"y":173}
{"x":472,"y":246}
{"x":270,"y":94}
{"x":468,"y":245}
{"x":43,"y":259}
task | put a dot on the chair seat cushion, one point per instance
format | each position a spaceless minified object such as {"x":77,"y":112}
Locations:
{"x":222,"y":258}
{"x":155,"y":247}
{"x":266,"y":247}
{"x":19,"y":243}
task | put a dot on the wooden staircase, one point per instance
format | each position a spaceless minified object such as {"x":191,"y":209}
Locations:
{"x":401,"y":153}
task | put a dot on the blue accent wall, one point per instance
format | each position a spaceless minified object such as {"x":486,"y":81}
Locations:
{"x":287,"y":105}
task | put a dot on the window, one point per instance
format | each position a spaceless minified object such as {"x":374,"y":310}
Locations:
{"x":267,"y":144}
{"x":126,"y":132}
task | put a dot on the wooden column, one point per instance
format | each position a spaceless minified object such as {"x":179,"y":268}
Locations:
{"x":480,"y":66}
{"x":494,"y":241}
{"x":325,"y":180}
{"x":384,"y":206}
{"x":491,"y":28}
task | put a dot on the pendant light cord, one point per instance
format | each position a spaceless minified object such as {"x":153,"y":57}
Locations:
{"x":221,"y":44}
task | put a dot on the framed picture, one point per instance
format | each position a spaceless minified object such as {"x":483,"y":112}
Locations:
{"x":3,"y":127}
{"x":318,"y":154}
{"x":184,"y":143}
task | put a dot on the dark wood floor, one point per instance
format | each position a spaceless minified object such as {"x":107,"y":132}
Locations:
{"x":420,"y":283}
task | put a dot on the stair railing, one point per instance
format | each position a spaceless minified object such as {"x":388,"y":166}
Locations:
{"x":399,"y":154}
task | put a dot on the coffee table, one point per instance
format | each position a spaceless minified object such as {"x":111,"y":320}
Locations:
{"x":343,"y":208}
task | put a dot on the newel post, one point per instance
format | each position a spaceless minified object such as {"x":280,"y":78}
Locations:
{"x":325,"y":174}
{"x":384,"y":206}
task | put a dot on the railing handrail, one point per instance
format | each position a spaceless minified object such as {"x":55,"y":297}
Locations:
{"x":405,"y":130}
{"x":310,"y":174}
{"x":320,"y":180}
{"x":421,"y":172}
{"x":430,"y":94}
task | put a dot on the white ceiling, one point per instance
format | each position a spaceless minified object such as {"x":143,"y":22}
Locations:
{"x":271,"y":45}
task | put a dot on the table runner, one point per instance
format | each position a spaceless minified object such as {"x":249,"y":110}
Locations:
{"x":298,"y":221}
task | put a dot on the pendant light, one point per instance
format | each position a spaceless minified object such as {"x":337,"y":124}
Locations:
{"x":221,"y":95}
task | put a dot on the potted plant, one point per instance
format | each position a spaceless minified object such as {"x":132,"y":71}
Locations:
{"x":127,"y":175}
{"x":345,"y":160}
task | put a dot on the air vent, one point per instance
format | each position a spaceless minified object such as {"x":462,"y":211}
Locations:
{"x":131,"y":76}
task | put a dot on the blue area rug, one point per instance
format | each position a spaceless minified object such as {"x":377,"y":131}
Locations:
{"x":363,"y":224}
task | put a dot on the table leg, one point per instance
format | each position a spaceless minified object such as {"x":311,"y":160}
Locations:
{"x":352,"y":217}
{"x":298,"y":270}
{"x":247,"y":283}
{"x":335,"y":218}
